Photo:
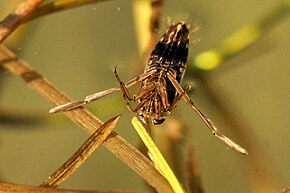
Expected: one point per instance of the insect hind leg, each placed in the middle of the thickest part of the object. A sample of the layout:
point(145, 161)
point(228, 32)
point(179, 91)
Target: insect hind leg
point(185, 91)
point(205, 119)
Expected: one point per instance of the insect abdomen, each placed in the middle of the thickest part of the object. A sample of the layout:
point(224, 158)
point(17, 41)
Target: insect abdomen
point(172, 50)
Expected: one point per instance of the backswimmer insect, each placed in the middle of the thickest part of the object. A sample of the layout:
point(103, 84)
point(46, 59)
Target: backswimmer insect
point(160, 88)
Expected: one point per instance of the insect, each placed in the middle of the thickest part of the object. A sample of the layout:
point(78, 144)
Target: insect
point(160, 88)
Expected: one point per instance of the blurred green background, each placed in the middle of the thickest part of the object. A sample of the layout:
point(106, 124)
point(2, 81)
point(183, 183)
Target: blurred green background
point(77, 50)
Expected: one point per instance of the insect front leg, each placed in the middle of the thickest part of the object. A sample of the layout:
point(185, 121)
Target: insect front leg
point(124, 89)
point(135, 80)
point(205, 119)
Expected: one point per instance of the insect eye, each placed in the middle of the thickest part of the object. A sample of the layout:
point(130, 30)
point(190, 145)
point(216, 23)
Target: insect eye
point(141, 117)
point(158, 121)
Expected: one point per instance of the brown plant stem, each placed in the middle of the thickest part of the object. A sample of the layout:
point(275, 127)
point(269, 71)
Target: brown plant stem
point(59, 5)
point(156, 12)
point(82, 117)
point(16, 188)
point(82, 154)
point(14, 19)
point(192, 172)
point(155, 16)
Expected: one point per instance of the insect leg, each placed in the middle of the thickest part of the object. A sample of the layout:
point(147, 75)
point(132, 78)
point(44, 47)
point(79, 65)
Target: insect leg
point(163, 96)
point(130, 83)
point(174, 104)
point(67, 106)
point(76, 104)
point(124, 89)
point(205, 119)
point(126, 94)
